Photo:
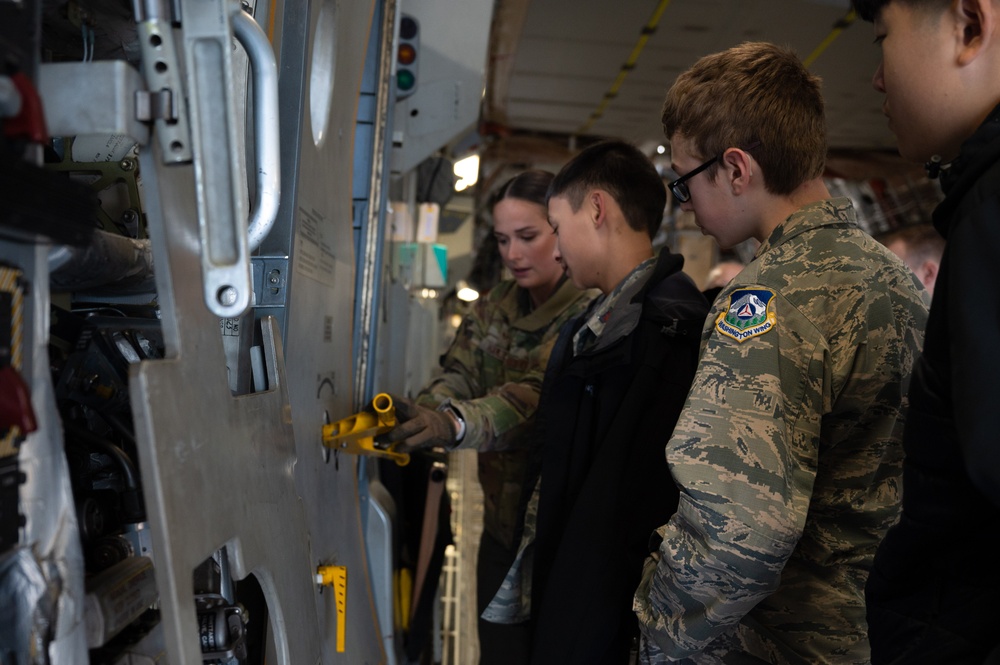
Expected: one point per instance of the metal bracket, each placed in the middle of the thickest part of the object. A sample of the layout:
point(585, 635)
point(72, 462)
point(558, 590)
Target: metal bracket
point(159, 105)
point(222, 207)
point(270, 279)
point(161, 69)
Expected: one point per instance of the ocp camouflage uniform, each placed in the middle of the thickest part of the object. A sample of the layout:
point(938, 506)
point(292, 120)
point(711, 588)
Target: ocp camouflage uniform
point(787, 454)
point(493, 374)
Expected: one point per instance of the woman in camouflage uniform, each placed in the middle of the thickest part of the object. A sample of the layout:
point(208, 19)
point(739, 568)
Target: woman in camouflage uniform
point(489, 389)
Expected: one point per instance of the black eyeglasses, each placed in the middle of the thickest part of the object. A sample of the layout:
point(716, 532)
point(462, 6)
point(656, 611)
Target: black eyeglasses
point(679, 187)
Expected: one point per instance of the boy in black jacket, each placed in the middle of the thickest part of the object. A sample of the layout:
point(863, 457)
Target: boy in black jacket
point(615, 385)
point(932, 594)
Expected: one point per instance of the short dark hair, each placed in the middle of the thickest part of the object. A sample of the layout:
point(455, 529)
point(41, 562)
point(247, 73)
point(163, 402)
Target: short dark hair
point(755, 94)
point(869, 10)
point(624, 172)
point(531, 186)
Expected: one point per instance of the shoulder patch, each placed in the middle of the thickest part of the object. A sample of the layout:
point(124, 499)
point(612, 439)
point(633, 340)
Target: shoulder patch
point(749, 314)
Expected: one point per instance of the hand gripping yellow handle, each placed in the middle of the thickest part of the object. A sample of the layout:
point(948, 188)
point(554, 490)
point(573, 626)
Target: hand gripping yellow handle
point(356, 434)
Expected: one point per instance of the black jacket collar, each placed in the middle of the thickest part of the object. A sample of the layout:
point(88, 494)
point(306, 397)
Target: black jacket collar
point(978, 153)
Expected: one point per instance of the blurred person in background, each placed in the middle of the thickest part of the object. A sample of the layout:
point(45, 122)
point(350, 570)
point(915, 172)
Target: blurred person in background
point(721, 274)
point(920, 247)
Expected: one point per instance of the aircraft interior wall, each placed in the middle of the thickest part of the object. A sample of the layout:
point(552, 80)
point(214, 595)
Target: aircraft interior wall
point(224, 229)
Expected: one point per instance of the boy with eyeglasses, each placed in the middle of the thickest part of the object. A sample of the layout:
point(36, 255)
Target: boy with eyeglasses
point(787, 454)
point(932, 593)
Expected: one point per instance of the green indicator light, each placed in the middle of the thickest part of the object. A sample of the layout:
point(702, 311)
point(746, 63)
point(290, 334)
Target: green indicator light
point(405, 79)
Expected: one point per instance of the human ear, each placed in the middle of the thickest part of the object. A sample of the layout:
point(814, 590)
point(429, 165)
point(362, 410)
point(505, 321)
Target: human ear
point(928, 273)
point(976, 22)
point(598, 206)
point(737, 167)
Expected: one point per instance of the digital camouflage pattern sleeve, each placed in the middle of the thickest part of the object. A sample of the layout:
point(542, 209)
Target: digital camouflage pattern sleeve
point(493, 371)
point(787, 453)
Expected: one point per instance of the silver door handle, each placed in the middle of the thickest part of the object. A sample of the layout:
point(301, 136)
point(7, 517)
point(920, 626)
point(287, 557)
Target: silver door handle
point(266, 129)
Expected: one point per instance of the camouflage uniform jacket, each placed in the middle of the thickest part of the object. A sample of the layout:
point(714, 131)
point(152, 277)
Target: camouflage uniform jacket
point(787, 453)
point(493, 374)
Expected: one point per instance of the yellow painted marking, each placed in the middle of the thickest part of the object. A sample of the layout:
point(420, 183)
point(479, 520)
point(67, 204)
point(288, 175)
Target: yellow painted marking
point(838, 28)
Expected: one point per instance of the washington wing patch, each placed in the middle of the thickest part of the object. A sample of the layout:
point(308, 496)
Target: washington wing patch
point(749, 314)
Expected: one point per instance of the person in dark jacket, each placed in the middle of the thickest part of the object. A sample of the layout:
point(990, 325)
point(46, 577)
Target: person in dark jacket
point(932, 594)
point(615, 384)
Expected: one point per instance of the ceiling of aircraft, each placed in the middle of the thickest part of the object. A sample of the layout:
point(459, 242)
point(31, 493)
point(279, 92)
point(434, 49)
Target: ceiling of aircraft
point(565, 68)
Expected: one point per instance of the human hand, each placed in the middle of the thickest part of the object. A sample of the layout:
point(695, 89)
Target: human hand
point(419, 427)
point(641, 600)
